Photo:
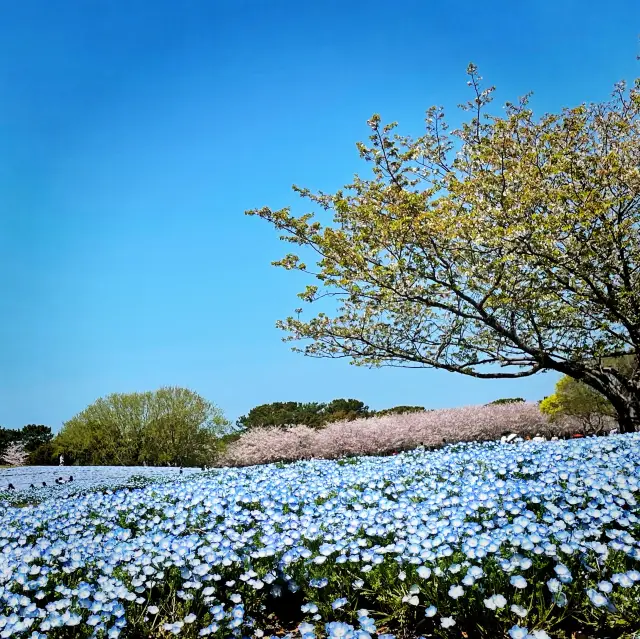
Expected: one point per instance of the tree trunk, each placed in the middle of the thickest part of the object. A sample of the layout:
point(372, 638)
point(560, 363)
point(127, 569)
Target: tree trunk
point(623, 392)
point(628, 414)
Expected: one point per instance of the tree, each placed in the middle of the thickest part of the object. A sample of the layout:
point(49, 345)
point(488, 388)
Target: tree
point(282, 414)
point(507, 400)
point(400, 410)
point(345, 410)
point(15, 454)
point(174, 425)
point(312, 414)
point(575, 399)
point(45, 455)
point(34, 436)
point(7, 437)
point(504, 248)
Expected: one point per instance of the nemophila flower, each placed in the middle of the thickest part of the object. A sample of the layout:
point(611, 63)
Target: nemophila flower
point(564, 574)
point(605, 586)
point(307, 630)
point(623, 580)
point(430, 611)
point(475, 571)
point(447, 622)
point(554, 585)
point(518, 632)
point(424, 572)
point(495, 602)
point(559, 599)
point(456, 591)
point(309, 607)
point(519, 610)
point(339, 603)
point(597, 598)
point(518, 581)
point(339, 630)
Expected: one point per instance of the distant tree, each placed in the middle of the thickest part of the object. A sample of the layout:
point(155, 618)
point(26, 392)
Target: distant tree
point(34, 436)
point(283, 414)
point(400, 410)
point(174, 425)
point(15, 454)
point(345, 410)
point(312, 414)
point(44, 455)
point(505, 247)
point(506, 400)
point(7, 437)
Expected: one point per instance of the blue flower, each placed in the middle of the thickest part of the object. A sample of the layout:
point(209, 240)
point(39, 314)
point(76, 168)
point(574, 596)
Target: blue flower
point(338, 603)
point(597, 598)
point(518, 632)
point(518, 581)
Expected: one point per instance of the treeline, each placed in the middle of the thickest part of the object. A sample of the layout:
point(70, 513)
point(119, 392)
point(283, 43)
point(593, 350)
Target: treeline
point(30, 444)
point(313, 414)
point(177, 426)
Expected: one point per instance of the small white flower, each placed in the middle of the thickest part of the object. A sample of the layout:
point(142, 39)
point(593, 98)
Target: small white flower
point(456, 591)
point(519, 610)
point(447, 622)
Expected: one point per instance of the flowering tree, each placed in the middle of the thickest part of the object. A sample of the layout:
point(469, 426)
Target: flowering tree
point(15, 455)
point(504, 248)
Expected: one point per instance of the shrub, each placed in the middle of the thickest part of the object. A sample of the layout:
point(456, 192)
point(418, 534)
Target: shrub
point(506, 400)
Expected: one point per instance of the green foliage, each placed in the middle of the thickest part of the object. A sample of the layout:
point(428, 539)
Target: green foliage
point(507, 400)
point(573, 398)
point(173, 425)
point(44, 455)
point(504, 247)
point(400, 410)
point(312, 414)
point(33, 436)
point(8, 436)
point(345, 410)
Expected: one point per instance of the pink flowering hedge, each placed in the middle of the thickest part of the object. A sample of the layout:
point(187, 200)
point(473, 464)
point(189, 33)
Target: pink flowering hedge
point(383, 435)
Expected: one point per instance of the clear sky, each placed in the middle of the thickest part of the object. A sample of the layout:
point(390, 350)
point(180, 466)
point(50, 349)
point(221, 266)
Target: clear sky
point(134, 135)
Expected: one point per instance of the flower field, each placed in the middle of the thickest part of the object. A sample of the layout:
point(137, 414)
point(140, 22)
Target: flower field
point(531, 540)
point(85, 479)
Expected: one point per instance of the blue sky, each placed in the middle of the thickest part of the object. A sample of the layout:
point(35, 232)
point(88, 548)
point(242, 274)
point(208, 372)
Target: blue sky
point(133, 136)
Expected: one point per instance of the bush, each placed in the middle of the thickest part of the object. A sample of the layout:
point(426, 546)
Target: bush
point(506, 400)
point(390, 433)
